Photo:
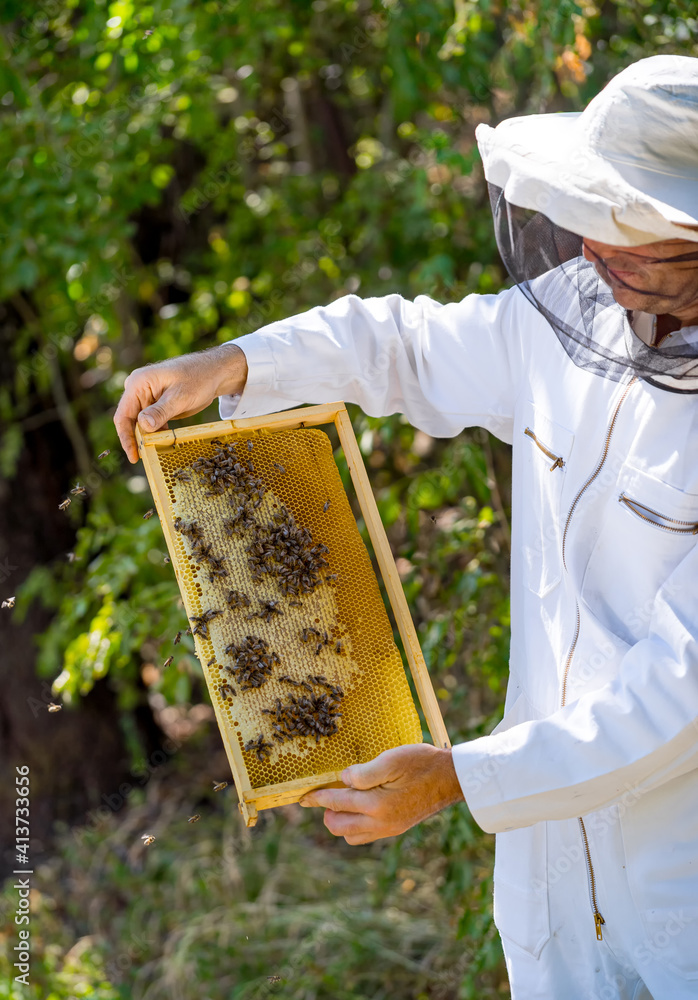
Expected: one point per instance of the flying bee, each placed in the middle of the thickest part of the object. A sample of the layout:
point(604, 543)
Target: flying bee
point(53, 707)
point(71, 557)
point(218, 786)
point(274, 979)
point(77, 490)
point(65, 504)
point(147, 839)
point(178, 638)
point(166, 560)
point(103, 454)
point(195, 818)
point(9, 603)
point(168, 661)
point(148, 514)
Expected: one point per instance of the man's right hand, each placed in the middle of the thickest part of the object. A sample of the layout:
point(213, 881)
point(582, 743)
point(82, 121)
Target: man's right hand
point(178, 387)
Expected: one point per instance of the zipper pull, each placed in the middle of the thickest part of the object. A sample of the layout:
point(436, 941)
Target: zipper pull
point(598, 920)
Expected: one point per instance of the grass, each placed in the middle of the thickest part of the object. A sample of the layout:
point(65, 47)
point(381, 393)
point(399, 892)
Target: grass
point(212, 910)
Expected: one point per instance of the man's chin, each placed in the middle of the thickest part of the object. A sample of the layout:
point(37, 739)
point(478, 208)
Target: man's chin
point(634, 301)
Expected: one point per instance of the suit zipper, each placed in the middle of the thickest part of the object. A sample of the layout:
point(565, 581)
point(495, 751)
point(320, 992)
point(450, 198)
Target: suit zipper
point(598, 919)
point(558, 460)
point(664, 521)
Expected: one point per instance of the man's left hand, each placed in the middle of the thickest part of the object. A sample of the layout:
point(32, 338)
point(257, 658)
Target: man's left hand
point(389, 794)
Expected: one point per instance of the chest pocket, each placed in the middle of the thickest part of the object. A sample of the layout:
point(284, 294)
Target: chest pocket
point(648, 528)
point(546, 448)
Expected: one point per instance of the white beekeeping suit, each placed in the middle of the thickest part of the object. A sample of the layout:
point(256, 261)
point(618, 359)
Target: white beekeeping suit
point(590, 781)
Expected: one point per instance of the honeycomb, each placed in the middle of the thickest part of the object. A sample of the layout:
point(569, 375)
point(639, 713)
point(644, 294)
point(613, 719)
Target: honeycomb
point(349, 639)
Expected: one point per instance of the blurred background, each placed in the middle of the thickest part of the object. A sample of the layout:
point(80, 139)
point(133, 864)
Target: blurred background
point(176, 174)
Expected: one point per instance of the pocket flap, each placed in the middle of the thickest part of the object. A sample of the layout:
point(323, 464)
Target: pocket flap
point(522, 916)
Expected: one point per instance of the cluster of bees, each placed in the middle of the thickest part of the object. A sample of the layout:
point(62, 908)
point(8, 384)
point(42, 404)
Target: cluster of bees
point(281, 551)
point(322, 641)
point(285, 551)
point(200, 549)
point(253, 662)
point(312, 714)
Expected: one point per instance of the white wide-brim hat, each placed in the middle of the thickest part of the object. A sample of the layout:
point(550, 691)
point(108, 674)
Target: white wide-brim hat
point(624, 171)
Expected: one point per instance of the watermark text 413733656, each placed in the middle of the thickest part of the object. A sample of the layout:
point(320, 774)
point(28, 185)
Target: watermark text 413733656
point(22, 948)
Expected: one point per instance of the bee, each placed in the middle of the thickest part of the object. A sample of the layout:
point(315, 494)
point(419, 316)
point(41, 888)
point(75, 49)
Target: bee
point(147, 839)
point(147, 33)
point(295, 604)
point(168, 661)
point(53, 707)
point(325, 506)
point(224, 689)
point(65, 504)
point(260, 746)
point(218, 786)
point(279, 468)
point(77, 490)
point(103, 454)
point(195, 818)
point(166, 560)
point(339, 648)
point(181, 476)
point(148, 514)
point(331, 576)
point(250, 446)
point(9, 603)
point(211, 661)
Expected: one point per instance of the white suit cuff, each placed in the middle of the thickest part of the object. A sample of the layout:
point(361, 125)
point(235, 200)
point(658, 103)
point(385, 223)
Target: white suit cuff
point(260, 378)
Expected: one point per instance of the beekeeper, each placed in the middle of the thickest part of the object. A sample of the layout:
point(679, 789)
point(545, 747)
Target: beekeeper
point(589, 368)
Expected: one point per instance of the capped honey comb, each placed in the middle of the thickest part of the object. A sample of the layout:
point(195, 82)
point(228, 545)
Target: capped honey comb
point(268, 635)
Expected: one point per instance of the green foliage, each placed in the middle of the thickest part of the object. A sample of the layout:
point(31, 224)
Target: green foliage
point(179, 174)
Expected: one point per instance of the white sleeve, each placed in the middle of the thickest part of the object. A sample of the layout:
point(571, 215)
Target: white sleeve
point(445, 367)
point(636, 732)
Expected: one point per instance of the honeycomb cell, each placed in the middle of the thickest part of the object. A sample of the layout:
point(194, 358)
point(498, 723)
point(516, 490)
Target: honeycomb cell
point(328, 621)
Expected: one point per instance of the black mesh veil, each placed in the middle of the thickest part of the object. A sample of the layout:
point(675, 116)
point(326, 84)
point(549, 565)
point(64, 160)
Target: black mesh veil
point(546, 263)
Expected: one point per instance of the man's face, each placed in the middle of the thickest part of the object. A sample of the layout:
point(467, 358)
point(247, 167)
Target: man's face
point(641, 279)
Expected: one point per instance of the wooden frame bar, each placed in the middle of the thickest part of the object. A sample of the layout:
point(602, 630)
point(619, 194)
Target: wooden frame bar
point(254, 799)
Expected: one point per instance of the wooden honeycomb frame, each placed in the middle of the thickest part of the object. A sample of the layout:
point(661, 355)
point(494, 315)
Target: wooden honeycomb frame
point(153, 446)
